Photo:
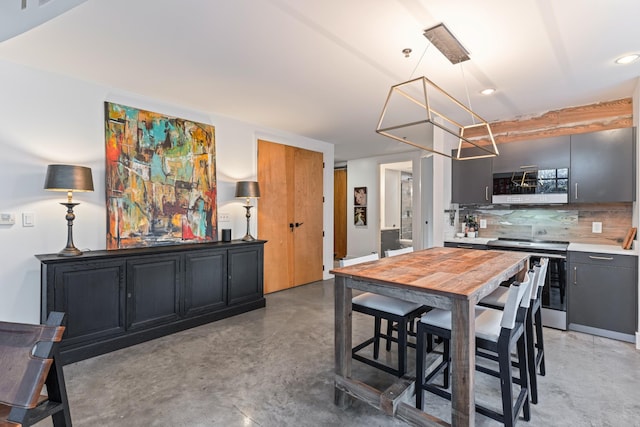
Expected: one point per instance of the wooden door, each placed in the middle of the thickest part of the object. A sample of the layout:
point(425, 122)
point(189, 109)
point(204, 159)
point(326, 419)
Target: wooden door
point(340, 213)
point(290, 214)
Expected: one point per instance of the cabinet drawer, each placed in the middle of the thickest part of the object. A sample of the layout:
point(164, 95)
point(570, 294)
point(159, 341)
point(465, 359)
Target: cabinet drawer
point(597, 258)
point(462, 245)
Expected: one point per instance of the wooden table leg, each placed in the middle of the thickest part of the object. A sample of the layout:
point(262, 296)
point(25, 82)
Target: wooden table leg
point(463, 351)
point(342, 337)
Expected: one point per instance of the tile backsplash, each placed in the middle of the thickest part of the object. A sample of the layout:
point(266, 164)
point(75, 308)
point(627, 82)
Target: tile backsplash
point(571, 222)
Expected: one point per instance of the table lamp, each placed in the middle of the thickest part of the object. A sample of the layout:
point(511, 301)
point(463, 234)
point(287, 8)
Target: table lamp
point(248, 189)
point(69, 178)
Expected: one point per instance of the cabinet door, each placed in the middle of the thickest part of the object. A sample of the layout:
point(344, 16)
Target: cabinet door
point(545, 153)
point(92, 296)
point(245, 274)
point(603, 297)
point(603, 166)
point(205, 286)
point(153, 291)
point(471, 181)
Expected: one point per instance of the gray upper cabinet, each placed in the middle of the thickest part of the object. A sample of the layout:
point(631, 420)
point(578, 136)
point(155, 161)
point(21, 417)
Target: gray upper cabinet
point(546, 153)
point(471, 181)
point(603, 166)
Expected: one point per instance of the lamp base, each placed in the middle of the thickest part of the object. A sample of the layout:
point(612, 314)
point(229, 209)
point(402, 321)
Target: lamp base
point(248, 237)
point(72, 251)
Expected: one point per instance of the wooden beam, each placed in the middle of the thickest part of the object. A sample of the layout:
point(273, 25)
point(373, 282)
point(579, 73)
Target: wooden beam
point(403, 390)
point(567, 121)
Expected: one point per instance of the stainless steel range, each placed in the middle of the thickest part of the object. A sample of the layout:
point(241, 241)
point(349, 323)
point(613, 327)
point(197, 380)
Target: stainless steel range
point(554, 298)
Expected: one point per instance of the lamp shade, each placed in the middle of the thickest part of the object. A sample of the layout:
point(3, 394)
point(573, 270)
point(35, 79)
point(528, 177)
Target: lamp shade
point(68, 178)
point(247, 189)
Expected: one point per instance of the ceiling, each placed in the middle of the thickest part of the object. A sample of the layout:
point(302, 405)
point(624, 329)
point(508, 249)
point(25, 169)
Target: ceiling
point(323, 68)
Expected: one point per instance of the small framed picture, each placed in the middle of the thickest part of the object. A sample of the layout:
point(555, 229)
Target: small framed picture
point(360, 216)
point(360, 196)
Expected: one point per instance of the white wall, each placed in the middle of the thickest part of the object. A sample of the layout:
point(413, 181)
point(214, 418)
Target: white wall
point(47, 118)
point(392, 198)
point(366, 173)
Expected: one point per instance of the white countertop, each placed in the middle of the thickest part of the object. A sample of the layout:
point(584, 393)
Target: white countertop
point(605, 249)
point(577, 247)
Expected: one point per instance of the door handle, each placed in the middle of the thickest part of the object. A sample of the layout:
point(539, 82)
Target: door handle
point(298, 224)
point(291, 226)
point(575, 275)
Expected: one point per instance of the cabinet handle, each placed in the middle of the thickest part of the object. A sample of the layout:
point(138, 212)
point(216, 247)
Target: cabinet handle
point(604, 258)
point(529, 167)
point(575, 275)
point(465, 246)
point(486, 193)
point(576, 197)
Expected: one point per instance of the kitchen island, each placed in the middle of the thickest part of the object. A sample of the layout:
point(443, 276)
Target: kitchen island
point(448, 278)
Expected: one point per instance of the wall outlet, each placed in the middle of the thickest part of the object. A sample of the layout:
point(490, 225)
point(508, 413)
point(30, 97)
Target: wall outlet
point(483, 223)
point(596, 227)
point(224, 217)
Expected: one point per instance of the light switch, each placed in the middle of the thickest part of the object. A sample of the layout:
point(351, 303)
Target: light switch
point(28, 219)
point(596, 227)
point(7, 218)
point(483, 223)
point(224, 217)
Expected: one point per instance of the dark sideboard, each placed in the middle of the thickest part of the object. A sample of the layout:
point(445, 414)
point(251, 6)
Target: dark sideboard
point(118, 298)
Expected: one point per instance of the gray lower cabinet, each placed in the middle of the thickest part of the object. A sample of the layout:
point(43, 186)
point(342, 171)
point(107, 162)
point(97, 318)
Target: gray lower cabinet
point(114, 299)
point(471, 181)
point(602, 294)
point(603, 166)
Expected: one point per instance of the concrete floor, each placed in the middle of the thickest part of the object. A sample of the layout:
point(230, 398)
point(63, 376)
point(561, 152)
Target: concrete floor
point(274, 367)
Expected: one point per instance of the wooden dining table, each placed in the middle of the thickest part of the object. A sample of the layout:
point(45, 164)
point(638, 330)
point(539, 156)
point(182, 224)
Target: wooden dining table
point(448, 278)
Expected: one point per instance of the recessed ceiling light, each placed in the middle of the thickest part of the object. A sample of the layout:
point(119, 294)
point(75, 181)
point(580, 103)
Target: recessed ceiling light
point(628, 59)
point(487, 91)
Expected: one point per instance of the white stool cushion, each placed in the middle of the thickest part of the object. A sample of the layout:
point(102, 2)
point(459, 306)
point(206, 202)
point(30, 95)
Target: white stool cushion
point(487, 322)
point(384, 303)
point(497, 298)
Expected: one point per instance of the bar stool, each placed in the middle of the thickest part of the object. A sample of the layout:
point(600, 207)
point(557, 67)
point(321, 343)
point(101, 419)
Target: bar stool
point(498, 331)
point(535, 348)
point(393, 310)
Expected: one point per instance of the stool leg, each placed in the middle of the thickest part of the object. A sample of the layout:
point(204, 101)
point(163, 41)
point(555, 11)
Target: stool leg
point(539, 342)
point(376, 331)
point(402, 347)
point(506, 380)
point(420, 355)
point(531, 358)
point(389, 333)
point(522, 362)
point(447, 357)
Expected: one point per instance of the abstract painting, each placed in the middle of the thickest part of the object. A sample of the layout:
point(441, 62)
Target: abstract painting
point(160, 179)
